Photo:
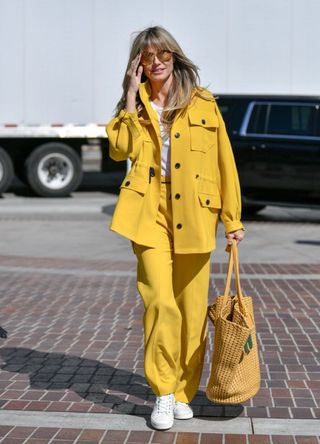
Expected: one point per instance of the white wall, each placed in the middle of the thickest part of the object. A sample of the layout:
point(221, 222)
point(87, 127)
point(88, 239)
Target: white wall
point(64, 60)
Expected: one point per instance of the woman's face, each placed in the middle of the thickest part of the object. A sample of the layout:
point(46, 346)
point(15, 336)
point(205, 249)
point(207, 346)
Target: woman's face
point(160, 64)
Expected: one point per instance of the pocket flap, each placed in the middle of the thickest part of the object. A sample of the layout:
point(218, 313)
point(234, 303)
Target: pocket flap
point(203, 118)
point(210, 200)
point(135, 183)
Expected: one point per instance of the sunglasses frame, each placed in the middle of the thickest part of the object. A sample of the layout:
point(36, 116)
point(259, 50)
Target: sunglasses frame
point(152, 57)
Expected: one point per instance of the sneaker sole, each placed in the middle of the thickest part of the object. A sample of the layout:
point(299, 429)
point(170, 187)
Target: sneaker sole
point(159, 427)
point(183, 417)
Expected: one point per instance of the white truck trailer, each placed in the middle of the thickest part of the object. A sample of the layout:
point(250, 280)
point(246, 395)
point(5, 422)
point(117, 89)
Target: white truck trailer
point(62, 64)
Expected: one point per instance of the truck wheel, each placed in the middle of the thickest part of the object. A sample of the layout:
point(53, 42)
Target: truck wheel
point(6, 171)
point(53, 170)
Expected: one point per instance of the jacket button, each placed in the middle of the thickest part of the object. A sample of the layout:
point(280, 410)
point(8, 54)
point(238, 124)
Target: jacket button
point(177, 165)
point(197, 175)
point(203, 121)
point(179, 226)
point(207, 201)
point(177, 135)
point(177, 196)
point(127, 183)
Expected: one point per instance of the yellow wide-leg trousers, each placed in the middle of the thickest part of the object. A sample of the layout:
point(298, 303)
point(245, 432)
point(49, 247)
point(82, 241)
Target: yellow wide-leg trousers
point(174, 290)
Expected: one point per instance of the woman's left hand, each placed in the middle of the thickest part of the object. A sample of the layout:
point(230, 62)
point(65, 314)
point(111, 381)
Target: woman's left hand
point(238, 235)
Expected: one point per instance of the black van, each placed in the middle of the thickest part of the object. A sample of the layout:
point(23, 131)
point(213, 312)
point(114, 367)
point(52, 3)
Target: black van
point(276, 144)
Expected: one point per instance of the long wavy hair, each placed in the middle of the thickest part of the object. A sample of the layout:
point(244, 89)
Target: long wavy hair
point(185, 74)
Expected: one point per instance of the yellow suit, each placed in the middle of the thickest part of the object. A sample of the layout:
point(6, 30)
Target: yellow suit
point(172, 227)
point(204, 179)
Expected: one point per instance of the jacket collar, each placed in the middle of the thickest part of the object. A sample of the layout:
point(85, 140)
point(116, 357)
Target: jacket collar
point(145, 93)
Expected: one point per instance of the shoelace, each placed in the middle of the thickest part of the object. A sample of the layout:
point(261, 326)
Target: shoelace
point(164, 404)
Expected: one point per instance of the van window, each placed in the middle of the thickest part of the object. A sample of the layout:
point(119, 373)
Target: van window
point(257, 120)
point(291, 120)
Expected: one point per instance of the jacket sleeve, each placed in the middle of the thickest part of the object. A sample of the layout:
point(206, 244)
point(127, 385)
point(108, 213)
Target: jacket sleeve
point(229, 181)
point(125, 136)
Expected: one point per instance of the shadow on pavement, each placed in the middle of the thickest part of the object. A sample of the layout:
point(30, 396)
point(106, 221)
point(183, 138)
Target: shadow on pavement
point(284, 215)
point(90, 379)
point(108, 209)
point(3, 333)
point(308, 242)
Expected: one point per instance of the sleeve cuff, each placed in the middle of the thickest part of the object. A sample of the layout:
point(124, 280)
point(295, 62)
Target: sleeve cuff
point(233, 226)
point(132, 121)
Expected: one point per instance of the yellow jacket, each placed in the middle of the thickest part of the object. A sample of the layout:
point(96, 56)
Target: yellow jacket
point(203, 173)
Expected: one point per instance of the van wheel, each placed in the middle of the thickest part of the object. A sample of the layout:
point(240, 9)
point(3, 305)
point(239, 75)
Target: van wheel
point(6, 171)
point(53, 170)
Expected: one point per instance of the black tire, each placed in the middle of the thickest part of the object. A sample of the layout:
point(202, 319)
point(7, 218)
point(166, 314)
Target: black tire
point(53, 170)
point(6, 171)
point(250, 210)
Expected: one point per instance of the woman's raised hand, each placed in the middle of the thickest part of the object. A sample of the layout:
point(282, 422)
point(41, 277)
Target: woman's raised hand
point(134, 73)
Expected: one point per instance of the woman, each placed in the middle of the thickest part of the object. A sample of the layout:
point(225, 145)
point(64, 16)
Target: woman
point(183, 176)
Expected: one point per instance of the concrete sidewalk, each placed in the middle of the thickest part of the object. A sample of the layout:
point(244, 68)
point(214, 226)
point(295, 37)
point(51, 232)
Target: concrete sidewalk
point(78, 227)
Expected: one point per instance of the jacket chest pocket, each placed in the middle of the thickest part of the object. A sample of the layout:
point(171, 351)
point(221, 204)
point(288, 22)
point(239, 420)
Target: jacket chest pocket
point(203, 128)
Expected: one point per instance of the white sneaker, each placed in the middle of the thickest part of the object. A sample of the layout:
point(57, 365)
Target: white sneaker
point(162, 415)
point(182, 410)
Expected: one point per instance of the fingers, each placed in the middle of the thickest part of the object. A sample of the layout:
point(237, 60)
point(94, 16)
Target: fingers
point(135, 62)
point(139, 72)
point(138, 57)
point(237, 235)
point(229, 244)
point(135, 73)
point(229, 239)
point(135, 70)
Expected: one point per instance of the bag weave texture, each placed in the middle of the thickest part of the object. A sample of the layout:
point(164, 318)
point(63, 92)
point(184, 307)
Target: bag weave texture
point(235, 370)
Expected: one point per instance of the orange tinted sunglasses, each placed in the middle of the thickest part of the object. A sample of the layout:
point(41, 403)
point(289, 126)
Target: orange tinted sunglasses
point(148, 57)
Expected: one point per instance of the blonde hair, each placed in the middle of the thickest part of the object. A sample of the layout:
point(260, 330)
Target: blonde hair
point(185, 73)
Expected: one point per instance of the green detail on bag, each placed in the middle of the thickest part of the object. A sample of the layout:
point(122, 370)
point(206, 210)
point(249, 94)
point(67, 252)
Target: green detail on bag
point(248, 345)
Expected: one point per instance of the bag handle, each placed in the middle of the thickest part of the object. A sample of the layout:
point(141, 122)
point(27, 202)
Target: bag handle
point(233, 265)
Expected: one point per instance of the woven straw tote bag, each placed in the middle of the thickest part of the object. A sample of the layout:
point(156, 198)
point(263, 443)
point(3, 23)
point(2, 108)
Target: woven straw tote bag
point(235, 370)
